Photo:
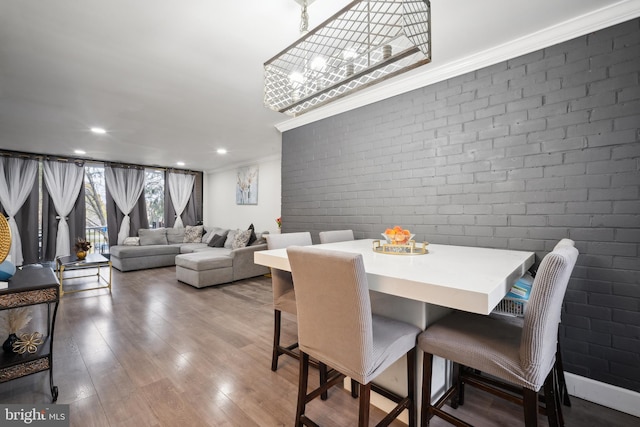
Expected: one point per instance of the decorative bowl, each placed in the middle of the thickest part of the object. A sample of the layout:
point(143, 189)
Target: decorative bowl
point(398, 238)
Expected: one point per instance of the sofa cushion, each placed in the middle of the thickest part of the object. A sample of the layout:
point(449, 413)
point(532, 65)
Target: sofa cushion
point(193, 234)
point(241, 239)
point(175, 235)
point(131, 241)
point(231, 235)
point(205, 260)
point(187, 248)
point(120, 251)
point(252, 237)
point(218, 240)
point(156, 236)
point(207, 236)
point(260, 239)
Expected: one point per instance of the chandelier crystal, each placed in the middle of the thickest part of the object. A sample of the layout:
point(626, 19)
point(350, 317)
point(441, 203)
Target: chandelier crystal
point(366, 42)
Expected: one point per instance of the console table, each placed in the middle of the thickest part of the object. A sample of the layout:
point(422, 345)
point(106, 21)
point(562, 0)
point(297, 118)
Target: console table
point(31, 286)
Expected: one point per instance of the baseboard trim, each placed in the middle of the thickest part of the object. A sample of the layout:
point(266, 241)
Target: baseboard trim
point(604, 394)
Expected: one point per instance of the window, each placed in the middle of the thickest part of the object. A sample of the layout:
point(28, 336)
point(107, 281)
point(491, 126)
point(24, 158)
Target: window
point(154, 197)
point(96, 208)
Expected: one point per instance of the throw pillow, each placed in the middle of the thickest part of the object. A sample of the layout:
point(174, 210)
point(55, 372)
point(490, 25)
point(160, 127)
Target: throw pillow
point(131, 241)
point(154, 236)
point(175, 235)
point(241, 239)
point(207, 236)
point(217, 241)
point(193, 234)
point(230, 236)
point(252, 237)
point(260, 240)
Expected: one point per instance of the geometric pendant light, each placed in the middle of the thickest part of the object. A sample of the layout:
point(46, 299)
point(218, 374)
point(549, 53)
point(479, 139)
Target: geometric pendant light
point(366, 42)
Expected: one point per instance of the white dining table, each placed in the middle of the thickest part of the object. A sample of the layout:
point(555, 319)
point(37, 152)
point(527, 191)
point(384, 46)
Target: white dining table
point(420, 289)
point(457, 277)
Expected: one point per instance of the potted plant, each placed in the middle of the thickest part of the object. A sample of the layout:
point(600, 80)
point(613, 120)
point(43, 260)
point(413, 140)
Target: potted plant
point(82, 246)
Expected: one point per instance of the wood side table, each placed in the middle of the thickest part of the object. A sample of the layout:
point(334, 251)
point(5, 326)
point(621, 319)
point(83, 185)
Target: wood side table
point(31, 286)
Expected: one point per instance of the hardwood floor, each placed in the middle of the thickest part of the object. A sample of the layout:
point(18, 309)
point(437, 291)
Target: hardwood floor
point(157, 352)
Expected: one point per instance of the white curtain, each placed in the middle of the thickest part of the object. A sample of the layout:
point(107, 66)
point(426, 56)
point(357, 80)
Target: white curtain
point(180, 188)
point(16, 181)
point(63, 181)
point(125, 186)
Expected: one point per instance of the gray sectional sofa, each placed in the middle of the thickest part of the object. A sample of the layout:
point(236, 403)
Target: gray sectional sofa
point(197, 263)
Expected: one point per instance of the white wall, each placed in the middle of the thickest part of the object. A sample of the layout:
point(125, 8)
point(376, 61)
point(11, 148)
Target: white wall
point(219, 198)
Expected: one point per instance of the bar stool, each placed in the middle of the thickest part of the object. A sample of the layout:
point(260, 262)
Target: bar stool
point(521, 358)
point(562, 391)
point(336, 236)
point(284, 297)
point(336, 327)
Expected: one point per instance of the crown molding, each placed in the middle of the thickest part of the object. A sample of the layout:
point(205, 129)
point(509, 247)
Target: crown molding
point(427, 75)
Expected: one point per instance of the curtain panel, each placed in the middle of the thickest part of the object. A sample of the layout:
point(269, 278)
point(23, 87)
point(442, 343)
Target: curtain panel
point(126, 206)
point(181, 192)
point(63, 181)
point(125, 187)
point(138, 218)
point(17, 177)
point(28, 223)
point(76, 222)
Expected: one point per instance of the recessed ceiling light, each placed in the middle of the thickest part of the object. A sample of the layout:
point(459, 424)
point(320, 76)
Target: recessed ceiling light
point(80, 152)
point(221, 151)
point(180, 163)
point(98, 130)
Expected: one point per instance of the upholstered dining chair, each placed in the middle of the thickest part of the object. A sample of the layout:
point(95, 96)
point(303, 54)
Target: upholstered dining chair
point(336, 236)
point(563, 392)
point(336, 327)
point(520, 358)
point(284, 297)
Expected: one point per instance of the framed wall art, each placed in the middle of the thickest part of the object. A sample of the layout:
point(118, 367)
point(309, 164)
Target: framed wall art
point(247, 186)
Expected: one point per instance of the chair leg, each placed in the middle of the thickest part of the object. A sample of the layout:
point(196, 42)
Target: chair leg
point(354, 388)
point(458, 397)
point(551, 400)
point(530, 403)
point(323, 379)
point(276, 339)
point(563, 392)
point(365, 397)
point(557, 395)
point(411, 386)
point(426, 413)
point(303, 378)
point(553, 382)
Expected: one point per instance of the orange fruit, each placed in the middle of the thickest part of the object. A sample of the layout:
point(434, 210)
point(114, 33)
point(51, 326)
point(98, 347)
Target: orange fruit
point(397, 228)
point(406, 232)
point(389, 231)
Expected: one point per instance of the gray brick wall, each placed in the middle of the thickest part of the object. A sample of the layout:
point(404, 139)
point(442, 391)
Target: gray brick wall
point(517, 155)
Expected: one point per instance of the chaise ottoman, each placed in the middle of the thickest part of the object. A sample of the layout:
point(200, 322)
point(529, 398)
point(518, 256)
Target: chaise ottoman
point(200, 269)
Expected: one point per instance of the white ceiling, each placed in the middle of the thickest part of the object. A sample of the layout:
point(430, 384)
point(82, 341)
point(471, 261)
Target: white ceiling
point(174, 81)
